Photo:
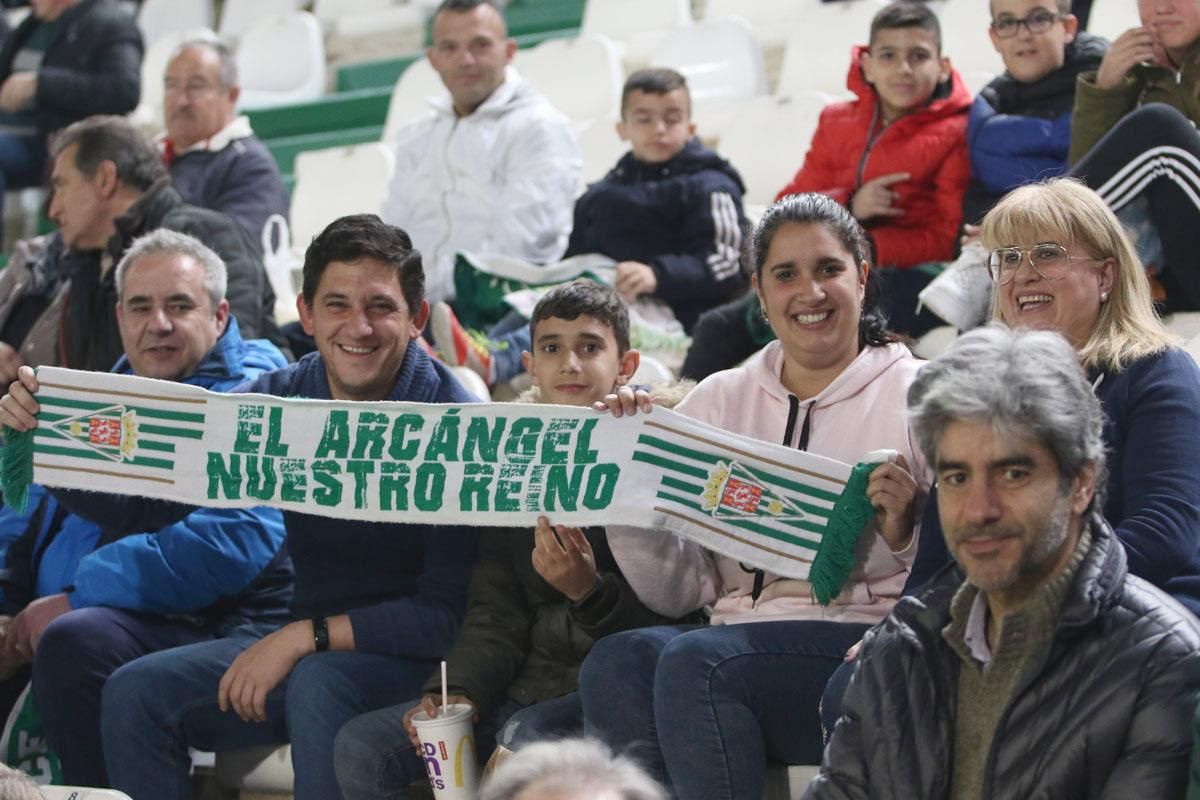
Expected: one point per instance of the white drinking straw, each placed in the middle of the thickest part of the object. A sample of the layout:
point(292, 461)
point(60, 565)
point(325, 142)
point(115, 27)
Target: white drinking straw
point(445, 697)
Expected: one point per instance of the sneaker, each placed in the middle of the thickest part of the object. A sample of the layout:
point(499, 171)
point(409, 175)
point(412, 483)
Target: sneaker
point(457, 346)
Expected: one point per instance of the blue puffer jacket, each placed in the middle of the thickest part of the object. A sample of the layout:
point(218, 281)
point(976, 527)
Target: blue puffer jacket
point(222, 566)
point(1018, 132)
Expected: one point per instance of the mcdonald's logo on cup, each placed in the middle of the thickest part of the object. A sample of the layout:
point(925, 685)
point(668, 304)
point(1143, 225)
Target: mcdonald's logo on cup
point(449, 752)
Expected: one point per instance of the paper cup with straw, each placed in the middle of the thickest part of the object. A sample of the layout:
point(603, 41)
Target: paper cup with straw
point(448, 748)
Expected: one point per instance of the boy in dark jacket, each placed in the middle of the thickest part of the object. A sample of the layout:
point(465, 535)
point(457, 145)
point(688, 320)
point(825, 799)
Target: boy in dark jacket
point(669, 213)
point(538, 599)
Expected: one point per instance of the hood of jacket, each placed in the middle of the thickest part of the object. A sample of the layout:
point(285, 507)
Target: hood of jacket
point(694, 157)
point(949, 98)
point(514, 92)
point(871, 362)
point(231, 361)
point(1054, 94)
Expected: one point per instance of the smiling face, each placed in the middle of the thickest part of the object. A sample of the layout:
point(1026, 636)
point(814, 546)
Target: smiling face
point(166, 317)
point(196, 105)
point(812, 293)
point(1009, 520)
point(1069, 305)
point(1028, 56)
point(362, 327)
point(657, 126)
point(576, 362)
point(904, 67)
point(470, 51)
point(1175, 24)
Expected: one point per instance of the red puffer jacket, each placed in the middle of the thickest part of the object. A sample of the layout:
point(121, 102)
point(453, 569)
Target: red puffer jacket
point(930, 145)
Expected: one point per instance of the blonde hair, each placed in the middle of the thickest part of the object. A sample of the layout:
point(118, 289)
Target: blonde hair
point(1127, 328)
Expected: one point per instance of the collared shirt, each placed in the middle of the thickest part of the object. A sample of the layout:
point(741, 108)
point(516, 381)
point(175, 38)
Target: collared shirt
point(975, 633)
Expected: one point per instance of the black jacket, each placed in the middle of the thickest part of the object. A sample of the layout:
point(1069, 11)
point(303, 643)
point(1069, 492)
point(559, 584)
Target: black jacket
point(92, 66)
point(522, 639)
point(90, 337)
point(1105, 714)
point(682, 217)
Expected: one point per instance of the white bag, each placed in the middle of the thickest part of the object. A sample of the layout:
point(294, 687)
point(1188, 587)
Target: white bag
point(281, 263)
point(962, 294)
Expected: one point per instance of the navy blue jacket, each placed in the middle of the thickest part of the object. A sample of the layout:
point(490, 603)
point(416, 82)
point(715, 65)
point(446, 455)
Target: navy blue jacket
point(223, 567)
point(1019, 133)
point(1152, 437)
point(241, 180)
point(404, 586)
point(682, 217)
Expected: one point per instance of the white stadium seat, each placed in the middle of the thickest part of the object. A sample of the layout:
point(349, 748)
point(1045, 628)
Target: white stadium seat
point(238, 16)
point(338, 181)
point(581, 77)
point(767, 140)
point(965, 36)
point(817, 56)
point(723, 64)
point(418, 84)
point(637, 26)
point(600, 147)
point(80, 793)
point(1111, 18)
point(281, 60)
point(157, 18)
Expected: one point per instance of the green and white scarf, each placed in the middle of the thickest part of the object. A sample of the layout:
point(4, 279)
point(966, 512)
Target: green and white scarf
point(786, 511)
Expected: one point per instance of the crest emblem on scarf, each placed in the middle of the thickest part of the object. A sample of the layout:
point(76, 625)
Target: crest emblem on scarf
point(732, 490)
point(111, 431)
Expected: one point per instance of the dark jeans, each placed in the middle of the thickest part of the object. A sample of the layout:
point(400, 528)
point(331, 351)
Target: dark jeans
point(375, 760)
point(22, 161)
point(75, 657)
point(1154, 151)
point(157, 707)
point(706, 708)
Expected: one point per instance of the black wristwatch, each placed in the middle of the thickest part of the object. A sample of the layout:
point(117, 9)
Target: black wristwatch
point(320, 633)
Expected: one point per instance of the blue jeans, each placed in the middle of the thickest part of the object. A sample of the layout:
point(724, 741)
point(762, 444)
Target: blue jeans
point(75, 657)
point(831, 698)
point(375, 760)
point(511, 334)
point(22, 160)
point(705, 708)
point(157, 707)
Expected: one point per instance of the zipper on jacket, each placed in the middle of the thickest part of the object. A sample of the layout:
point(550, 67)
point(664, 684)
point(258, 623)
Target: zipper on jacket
point(793, 412)
point(872, 138)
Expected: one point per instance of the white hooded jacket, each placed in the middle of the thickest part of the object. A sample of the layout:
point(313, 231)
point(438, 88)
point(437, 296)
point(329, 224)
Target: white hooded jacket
point(500, 181)
point(864, 409)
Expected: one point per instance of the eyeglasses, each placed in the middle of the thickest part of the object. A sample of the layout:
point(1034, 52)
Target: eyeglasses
point(1048, 259)
point(1038, 21)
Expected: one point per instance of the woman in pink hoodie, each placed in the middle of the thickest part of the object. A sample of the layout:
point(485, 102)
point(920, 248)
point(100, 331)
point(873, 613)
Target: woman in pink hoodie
point(708, 706)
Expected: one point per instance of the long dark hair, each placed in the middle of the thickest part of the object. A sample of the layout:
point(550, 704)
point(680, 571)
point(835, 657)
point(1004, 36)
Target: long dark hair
point(819, 209)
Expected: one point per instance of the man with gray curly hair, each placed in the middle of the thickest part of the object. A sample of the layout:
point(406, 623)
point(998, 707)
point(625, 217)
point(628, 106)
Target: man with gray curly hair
point(1038, 667)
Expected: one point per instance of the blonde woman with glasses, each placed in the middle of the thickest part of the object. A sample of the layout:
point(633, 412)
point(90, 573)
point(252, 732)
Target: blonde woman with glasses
point(1061, 261)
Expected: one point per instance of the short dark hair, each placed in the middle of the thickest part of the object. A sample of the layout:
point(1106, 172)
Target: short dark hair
point(111, 138)
point(351, 238)
point(654, 80)
point(907, 14)
point(467, 6)
point(583, 296)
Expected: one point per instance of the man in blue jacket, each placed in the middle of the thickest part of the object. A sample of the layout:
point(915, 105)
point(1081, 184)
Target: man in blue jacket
point(376, 604)
point(106, 594)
